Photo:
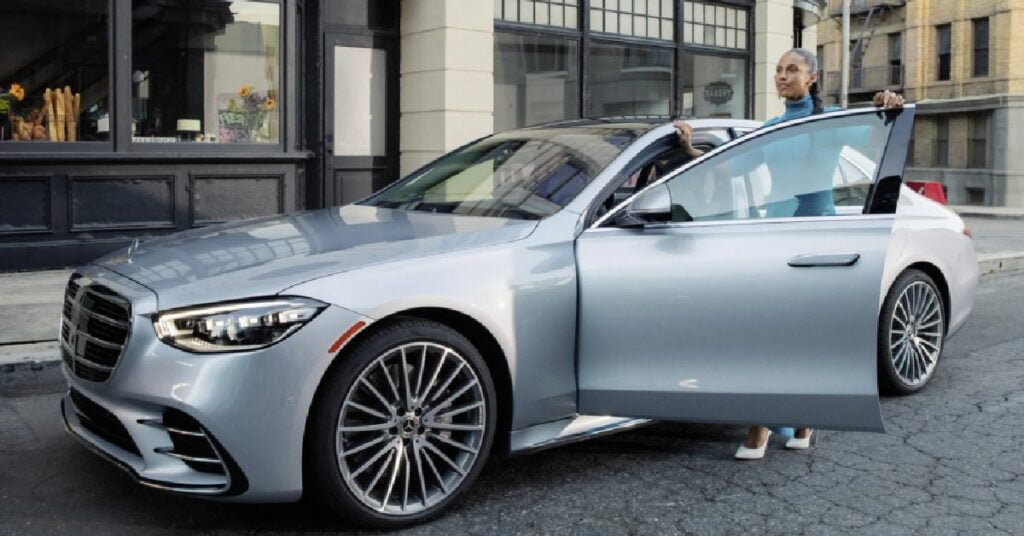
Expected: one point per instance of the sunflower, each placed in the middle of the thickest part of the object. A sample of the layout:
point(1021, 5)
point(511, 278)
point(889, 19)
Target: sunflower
point(268, 104)
point(245, 91)
point(17, 91)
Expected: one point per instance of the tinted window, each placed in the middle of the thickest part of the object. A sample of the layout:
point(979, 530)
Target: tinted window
point(805, 170)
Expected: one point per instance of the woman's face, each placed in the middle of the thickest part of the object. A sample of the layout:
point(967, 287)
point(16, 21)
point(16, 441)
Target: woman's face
point(792, 78)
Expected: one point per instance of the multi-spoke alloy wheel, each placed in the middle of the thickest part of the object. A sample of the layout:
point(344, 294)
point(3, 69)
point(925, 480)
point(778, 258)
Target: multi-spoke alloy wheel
point(410, 428)
point(911, 333)
point(411, 425)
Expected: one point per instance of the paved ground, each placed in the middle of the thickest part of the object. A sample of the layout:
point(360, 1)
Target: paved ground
point(31, 304)
point(950, 463)
point(996, 235)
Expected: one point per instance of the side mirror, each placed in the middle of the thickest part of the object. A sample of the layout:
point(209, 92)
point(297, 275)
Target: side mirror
point(654, 205)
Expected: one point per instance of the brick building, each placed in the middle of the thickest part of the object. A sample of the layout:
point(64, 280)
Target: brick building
point(962, 61)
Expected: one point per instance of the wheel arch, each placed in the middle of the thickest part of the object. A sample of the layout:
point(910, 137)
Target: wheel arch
point(470, 328)
point(939, 278)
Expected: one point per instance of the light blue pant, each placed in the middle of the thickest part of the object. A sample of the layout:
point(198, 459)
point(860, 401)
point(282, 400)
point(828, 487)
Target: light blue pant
point(786, 432)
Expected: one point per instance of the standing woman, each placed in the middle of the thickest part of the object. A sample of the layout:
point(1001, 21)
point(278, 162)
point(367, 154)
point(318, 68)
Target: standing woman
point(796, 77)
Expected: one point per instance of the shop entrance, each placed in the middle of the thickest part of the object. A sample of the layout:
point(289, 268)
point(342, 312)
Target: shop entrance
point(360, 143)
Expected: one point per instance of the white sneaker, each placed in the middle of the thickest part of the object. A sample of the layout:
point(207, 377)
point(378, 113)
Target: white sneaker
point(744, 453)
point(800, 443)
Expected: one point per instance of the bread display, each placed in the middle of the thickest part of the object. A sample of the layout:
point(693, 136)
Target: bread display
point(55, 120)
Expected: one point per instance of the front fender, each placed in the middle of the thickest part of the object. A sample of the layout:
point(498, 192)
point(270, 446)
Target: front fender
point(523, 293)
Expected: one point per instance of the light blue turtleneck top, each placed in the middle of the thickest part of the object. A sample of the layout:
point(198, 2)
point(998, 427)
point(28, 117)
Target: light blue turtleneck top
point(797, 109)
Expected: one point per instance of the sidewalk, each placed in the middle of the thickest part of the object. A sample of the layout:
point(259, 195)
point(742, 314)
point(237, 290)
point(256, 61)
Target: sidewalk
point(30, 302)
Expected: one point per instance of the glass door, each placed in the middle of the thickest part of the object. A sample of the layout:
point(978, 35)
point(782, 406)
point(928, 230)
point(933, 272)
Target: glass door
point(360, 116)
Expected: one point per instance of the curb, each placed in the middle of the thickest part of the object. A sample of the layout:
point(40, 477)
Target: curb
point(992, 213)
point(989, 215)
point(29, 365)
point(39, 363)
point(991, 263)
point(986, 215)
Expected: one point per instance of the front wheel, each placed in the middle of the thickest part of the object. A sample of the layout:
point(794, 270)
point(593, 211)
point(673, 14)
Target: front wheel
point(404, 425)
point(911, 331)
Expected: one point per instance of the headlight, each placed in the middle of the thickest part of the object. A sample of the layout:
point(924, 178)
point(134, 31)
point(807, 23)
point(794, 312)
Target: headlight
point(234, 327)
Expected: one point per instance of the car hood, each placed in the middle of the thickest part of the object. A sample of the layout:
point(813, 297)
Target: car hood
point(264, 256)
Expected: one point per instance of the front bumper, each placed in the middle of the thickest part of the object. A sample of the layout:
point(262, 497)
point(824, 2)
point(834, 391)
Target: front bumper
point(251, 407)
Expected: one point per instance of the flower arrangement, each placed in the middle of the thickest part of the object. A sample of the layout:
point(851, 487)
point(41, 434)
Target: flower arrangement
point(245, 120)
point(15, 92)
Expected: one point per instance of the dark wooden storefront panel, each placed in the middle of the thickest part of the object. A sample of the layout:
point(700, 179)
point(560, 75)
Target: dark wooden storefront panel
point(25, 205)
point(223, 198)
point(121, 202)
point(66, 214)
point(356, 184)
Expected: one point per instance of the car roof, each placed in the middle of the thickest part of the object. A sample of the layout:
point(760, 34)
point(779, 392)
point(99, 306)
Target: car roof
point(647, 122)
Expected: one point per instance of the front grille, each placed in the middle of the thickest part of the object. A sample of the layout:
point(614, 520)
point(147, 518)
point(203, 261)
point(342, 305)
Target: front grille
point(96, 419)
point(94, 328)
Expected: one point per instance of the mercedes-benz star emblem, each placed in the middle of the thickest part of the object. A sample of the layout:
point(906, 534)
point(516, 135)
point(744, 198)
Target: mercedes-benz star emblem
point(132, 249)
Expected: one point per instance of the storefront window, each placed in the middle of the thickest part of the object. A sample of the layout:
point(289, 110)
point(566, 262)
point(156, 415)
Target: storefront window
point(630, 53)
point(713, 86)
point(535, 80)
point(559, 13)
point(714, 25)
point(206, 71)
point(640, 18)
point(54, 71)
point(629, 80)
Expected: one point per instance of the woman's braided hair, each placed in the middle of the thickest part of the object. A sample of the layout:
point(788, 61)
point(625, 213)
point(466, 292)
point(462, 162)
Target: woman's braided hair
point(812, 66)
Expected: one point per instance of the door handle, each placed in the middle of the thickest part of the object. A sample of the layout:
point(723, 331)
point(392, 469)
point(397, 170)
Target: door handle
point(824, 259)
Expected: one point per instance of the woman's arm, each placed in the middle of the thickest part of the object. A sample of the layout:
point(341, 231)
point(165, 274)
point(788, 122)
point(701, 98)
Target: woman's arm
point(685, 134)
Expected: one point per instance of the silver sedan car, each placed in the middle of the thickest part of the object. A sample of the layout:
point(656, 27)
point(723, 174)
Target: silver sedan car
point(529, 289)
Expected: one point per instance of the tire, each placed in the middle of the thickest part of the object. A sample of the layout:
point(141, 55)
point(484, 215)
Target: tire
point(911, 334)
point(408, 447)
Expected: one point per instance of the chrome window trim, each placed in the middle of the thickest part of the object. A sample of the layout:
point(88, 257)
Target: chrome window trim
point(753, 221)
point(763, 131)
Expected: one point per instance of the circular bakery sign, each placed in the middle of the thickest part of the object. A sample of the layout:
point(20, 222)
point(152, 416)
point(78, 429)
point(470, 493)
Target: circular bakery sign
point(718, 92)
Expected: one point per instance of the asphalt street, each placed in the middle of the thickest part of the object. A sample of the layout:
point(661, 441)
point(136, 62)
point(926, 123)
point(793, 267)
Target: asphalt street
point(950, 463)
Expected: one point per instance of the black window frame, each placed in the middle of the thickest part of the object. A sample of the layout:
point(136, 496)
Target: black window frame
point(125, 120)
point(119, 144)
point(944, 59)
point(977, 145)
point(980, 47)
point(585, 37)
point(940, 145)
point(895, 60)
point(820, 53)
point(79, 146)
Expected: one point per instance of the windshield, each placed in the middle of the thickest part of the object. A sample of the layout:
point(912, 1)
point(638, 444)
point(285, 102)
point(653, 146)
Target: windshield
point(524, 174)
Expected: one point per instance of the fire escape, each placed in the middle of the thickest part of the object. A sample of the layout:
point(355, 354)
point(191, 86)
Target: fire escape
point(866, 80)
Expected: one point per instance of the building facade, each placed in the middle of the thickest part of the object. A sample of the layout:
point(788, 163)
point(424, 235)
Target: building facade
point(962, 62)
point(125, 119)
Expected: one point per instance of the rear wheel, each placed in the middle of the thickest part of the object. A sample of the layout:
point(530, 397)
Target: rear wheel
point(912, 331)
point(404, 426)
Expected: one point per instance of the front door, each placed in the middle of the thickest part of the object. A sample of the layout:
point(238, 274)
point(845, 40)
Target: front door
point(361, 115)
point(758, 303)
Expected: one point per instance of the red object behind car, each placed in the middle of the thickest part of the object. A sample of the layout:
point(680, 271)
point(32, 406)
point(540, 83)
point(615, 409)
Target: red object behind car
point(930, 189)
